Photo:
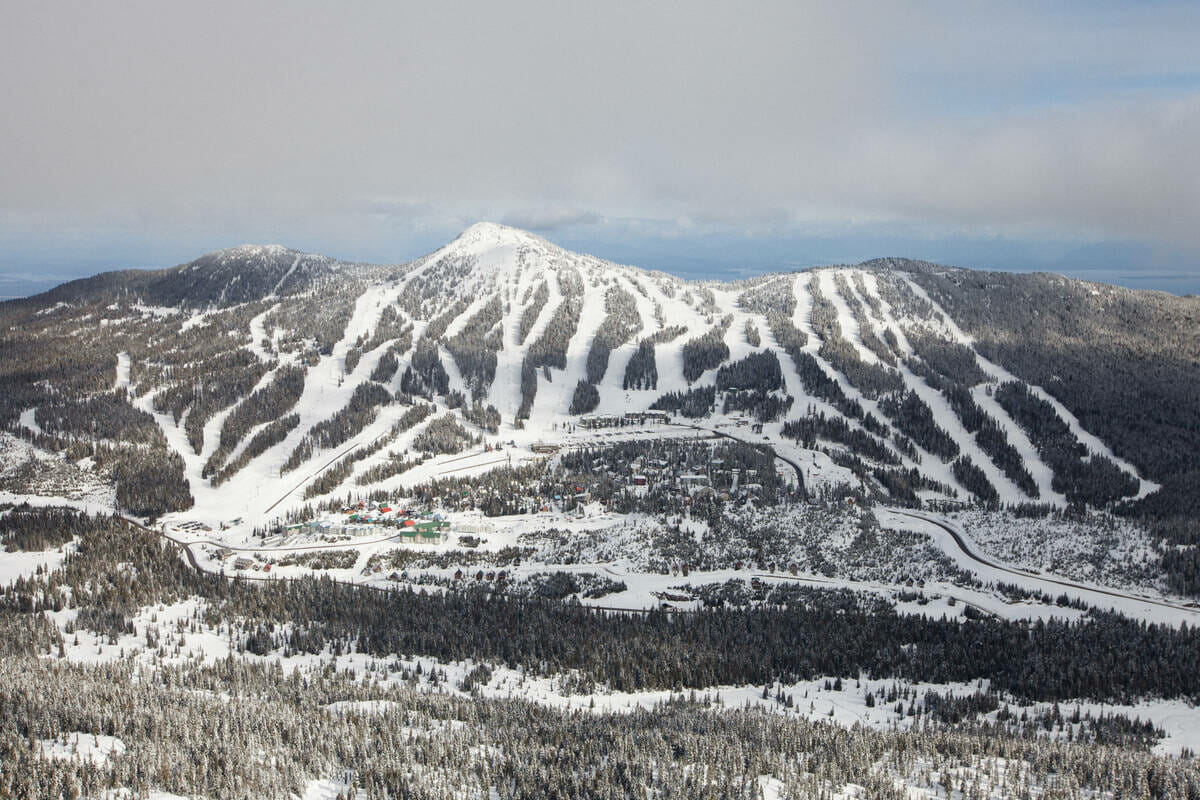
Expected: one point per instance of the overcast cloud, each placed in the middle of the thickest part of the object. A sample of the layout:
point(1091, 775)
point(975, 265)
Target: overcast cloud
point(376, 129)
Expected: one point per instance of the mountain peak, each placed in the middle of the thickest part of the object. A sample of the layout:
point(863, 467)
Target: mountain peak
point(256, 250)
point(247, 253)
point(486, 235)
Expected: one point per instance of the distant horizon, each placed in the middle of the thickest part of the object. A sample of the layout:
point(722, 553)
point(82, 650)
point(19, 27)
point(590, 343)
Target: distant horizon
point(720, 256)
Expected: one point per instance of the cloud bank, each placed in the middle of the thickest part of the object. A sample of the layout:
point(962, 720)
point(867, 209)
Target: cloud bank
point(360, 127)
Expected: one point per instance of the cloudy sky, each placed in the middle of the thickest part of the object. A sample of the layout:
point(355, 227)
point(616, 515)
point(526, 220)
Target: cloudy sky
point(702, 138)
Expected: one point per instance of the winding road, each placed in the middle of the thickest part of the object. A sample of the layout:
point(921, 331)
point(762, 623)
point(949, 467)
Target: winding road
point(965, 549)
point(971, 554)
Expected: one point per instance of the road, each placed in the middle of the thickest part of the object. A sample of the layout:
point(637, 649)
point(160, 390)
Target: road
point(966, 550)
point(186, 546)
point(971, 554)
point(191, 557)
point(774, 577)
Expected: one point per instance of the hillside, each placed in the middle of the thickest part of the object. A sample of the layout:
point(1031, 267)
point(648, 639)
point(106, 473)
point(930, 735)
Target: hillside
point(929, 383)
point(219, 279)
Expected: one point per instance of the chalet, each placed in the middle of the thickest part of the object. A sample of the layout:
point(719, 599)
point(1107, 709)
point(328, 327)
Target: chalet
point(642, 417)
point(600, 421)
point(222, 553)
point(639, 480)
point(544, 448)
point(242, 563)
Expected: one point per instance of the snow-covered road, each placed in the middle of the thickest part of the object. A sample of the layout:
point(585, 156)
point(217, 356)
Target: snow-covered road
point(956, 543)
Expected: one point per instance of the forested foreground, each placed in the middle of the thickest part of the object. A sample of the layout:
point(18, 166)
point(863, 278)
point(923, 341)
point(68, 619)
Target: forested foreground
point(235, 730)
point(113, 570)
point(240, 730)
point(187, 728)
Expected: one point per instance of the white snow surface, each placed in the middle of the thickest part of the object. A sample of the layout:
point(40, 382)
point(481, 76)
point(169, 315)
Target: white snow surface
point(77, 746)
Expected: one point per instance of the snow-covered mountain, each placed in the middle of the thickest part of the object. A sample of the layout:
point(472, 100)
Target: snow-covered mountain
point(222, 278)
point(249, 369)
point(386, 497)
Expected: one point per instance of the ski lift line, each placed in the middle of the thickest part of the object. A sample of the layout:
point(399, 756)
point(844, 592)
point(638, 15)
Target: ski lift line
point(329, 464)
point(463, 458)
point(474, 466)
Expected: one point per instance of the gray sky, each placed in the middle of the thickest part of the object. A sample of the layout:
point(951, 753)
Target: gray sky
point(771, 134)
